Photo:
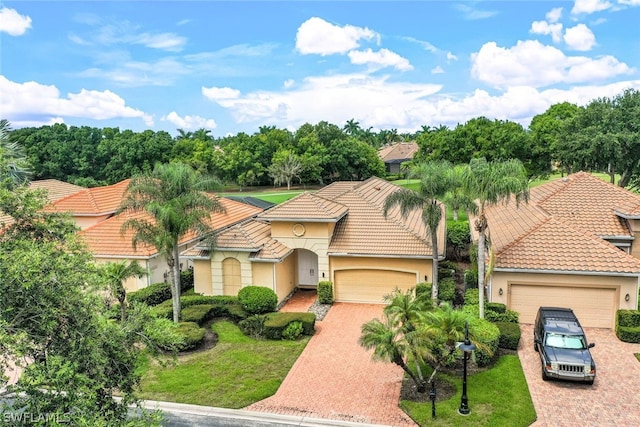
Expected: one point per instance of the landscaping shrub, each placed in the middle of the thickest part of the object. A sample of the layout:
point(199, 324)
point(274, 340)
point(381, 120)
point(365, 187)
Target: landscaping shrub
point(163, 311)
point(192, 336)
point(276, 323)
point(472, 297)
point(423, 291)
point(470, 279)
point(235, 311)
point(509, 335)
point(189, 300)
point(257, 299)
point(496, 307)
point(508, 316)
point(152, 295)
point(198, 313)
point(186, 280)
point(253, 326)
point(488, 334)
point(221, 305)
point(292, 331)
point(446, 290)
point(628, 325)
point(446, 269)
point(458, 237)
point(325, 292)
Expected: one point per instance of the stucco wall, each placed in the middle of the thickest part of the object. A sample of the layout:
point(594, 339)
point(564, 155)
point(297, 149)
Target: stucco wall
point(133, 283)
point(422, 267)
point(87, 221)
point(202, 283)
point(246, 272)
point(285, 277)
point(262, 274)
point(315, 239)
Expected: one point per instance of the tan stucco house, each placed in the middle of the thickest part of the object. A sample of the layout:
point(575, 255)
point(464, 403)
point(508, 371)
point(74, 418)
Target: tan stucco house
point(575, 244)
point(338, 233)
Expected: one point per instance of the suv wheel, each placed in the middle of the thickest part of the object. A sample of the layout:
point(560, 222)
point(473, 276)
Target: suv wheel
point(589, 382)
point(545, 377)
point(535, 346)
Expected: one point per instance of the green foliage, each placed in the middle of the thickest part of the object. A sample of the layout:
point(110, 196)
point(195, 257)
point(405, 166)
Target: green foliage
point(496, 307)
point(236, 311)
point(628, 325)
point(488, 335)
point(458, 236)
point(292, 331)
point(186, 280)
point(276, 323)
point(198, 313)
point(152, 295)
point(192, 335)
point(423, 291)
point(257, 299)
point(508, 316)
point(471, 297)
point(509, 335)
point(447, 290)
point(253, 325)
point(325, 292)
point(471, 279)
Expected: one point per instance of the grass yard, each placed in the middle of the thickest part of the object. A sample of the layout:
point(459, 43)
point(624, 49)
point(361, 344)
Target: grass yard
point(236, 372)
point(497, 397)
point(269, 196)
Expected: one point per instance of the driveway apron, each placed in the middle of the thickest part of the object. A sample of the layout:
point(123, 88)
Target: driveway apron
point(335, 378)
point(614, 398)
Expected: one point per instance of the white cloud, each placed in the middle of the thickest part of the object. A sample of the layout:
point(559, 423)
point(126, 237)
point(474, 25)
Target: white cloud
point(451, 57)
point(579, 38)
point(472, 14)
point(380, 59)
point(288, 83)
point(32, 101)
point(630, 2)
point(425, 45)
point(437, 70)
point(220, 93)
point(165, 41)
point(317, 36)
point(543, 27)
point(590, 6)
point(12, 23)
point(530, 63)
point(554, 15)
point(189, 122)
point(162, 72)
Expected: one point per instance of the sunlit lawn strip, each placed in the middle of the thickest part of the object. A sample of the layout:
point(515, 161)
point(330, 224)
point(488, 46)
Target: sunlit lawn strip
point(236, 372)
point(498, 396)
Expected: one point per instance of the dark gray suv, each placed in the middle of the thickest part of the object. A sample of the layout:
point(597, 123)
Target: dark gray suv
point(563, 346)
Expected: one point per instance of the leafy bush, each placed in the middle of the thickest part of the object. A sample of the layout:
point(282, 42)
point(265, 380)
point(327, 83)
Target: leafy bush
point(325, 292)
point(221, 305)
point(257, 299)
point(235, 311)
point(458, 236)
point(198, 313)
point(447, 290)
point(192, 336)
point(188, 300)
point(508, 316)
point(151, 295)
point(446, 269)
point(470, 279)
point(509, 335)
point(276, 323)
point(423, 291)
point(292, 331)
point(472, 297)
point(628, 317)
point(488, 334)
point(186, 280)
point(253, 326)
point(628, 325)
point(496, 307)
point(628, 333)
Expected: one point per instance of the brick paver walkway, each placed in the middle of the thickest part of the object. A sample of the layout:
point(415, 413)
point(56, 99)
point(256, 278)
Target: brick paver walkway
point(334, 378)
point(614, 398)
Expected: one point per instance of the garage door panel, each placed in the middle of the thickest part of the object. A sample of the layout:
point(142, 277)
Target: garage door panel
point(369, 285)
point(595, 307)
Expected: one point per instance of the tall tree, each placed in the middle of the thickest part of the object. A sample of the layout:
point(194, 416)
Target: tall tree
point(435, 181)
point(115, 274)
point(174, 199)
point(284, 167)
point(13, 163)
point(491, 183)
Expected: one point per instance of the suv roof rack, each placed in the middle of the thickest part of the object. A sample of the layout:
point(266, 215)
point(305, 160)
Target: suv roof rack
point(556, 313)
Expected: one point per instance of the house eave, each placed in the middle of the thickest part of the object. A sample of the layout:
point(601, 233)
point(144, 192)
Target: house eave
point(350, 254)
point(626, 216)
point(309, 219)
point(572, 272)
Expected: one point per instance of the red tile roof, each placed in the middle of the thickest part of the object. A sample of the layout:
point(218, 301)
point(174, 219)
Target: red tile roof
point(92, 201)
point(306, 207)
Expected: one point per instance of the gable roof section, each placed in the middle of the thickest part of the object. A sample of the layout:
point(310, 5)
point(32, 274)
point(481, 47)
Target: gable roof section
point(105, 239)
point(306, 207)
point(335, 189)
point(398, 152)
point(545, 235)
point(56, 189)
point(92, 201)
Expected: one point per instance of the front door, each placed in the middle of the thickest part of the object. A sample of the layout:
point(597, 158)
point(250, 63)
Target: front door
point(307, 268)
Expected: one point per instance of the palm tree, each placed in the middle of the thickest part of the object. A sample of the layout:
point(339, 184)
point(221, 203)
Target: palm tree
point(173, 198)
point(115, 274)
point(456, 199)
point(352, 127)
point(13, 163)
point(435, 181)
point(492, 183)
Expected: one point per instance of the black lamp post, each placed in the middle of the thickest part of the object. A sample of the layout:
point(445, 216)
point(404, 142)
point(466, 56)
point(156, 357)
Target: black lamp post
point(467, 347)
point(432, 396)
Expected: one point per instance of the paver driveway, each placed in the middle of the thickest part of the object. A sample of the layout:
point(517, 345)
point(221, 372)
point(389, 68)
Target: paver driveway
point(614, 398)
point(335, 378)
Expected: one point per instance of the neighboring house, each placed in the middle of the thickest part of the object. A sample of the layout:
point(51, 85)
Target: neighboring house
point(395, 154)
point(338, 233)
point(575, 244)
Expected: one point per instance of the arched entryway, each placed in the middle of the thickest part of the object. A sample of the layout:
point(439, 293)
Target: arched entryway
point(231, 276)
point(307, 268)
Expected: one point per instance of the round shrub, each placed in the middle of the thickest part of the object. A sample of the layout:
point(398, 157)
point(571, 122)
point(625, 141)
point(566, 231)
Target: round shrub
point(325, 292)
point(257, 299)
point(292, 331)
point(509, 335)
point(151, 295)
point(199, 313)
point(496, 307)
point(488, 335)
point(192, 336)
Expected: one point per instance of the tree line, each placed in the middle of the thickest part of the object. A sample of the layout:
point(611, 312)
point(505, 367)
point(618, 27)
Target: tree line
point(602, 136)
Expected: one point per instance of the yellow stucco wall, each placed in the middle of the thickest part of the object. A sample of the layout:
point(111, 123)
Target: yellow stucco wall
point(133, 283)
point(202, 283)
point(87, 221)
point(262, 274)
point(311, 229)
point(422, 267)
point(285, 277)
point(246, 272)
point(623, 285)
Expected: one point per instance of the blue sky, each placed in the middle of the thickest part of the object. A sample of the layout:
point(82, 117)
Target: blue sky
point(236, 66)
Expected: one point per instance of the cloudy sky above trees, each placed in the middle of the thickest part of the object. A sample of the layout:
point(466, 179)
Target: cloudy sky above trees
point(236, 66)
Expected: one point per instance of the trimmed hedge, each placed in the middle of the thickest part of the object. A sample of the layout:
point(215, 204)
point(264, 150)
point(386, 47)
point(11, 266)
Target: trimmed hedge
point(222, 305)
point(325, 292)
point(292, 331)
point(186, 280)
point(496, 307)
point(470, 279)
point(152, 295)
point(472, 297)
point(198, 313)
point(488, 334)
point(275, 323)
point(509, 316)
point(628, 325)
point(447, 290)
point(458, 236)
point(192, 336)
point(253, 326)
point(423, 291)
point(257, 299)
point(235, 311)
point(510, 334)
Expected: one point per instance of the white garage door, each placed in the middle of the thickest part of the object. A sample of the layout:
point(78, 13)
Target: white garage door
point(595, 307)
point(364, 285)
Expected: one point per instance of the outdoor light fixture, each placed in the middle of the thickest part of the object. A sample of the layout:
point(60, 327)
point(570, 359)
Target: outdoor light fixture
point(627, 297)
point(426, 279)
point(432, 396)
point(500, 292)
point(467, 347)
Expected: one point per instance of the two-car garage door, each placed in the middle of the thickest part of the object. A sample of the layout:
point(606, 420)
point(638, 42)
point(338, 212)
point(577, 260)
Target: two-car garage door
point(595, 307)
point(370, 285)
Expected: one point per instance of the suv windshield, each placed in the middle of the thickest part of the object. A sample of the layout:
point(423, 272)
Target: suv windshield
point(565, 341)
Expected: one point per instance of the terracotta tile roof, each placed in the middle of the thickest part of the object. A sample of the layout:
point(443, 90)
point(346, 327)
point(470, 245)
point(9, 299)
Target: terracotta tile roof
point(335, 189)
point(56, 190)
point(306, 207)
point(105, 239)
point(92, 201)
point(560, 229)
point(398, 152)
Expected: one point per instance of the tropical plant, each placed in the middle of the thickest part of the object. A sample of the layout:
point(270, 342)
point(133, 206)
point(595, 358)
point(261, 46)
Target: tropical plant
point(13, 163)
point(435, 181)
point(174, 203)
point(492, 183)
point(115, 274)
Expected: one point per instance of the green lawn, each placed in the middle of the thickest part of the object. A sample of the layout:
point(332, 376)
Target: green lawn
point(269, 196)
point(236, 372)
point(497, 397)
